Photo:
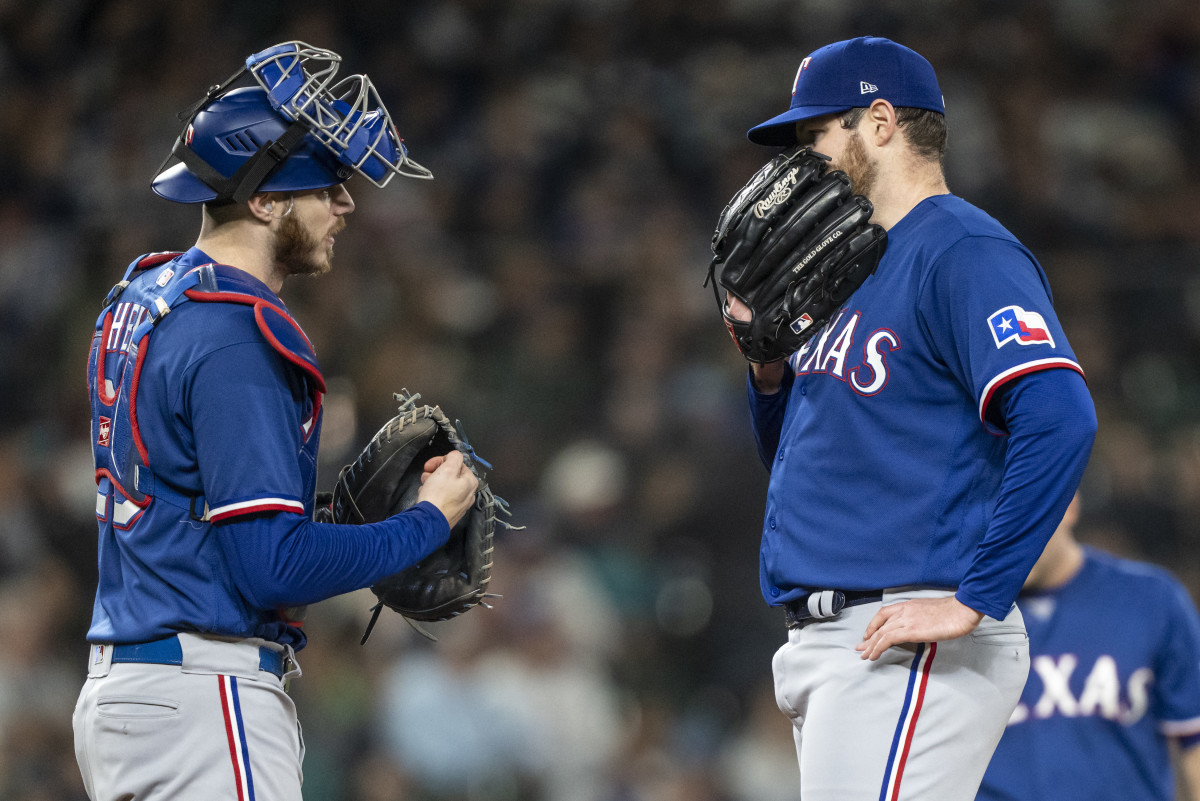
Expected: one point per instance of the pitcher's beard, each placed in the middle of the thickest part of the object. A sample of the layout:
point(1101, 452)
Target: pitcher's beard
point(858, 167)
point(300, 253)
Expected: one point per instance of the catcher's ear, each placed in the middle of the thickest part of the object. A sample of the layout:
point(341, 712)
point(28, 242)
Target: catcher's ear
point(261, 207)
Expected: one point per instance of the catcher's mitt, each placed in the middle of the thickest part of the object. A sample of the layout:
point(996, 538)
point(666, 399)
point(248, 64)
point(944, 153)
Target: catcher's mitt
point(385, 480)
point(792, 245)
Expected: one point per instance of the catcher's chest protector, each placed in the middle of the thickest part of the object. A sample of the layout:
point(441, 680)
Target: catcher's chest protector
point(154, 285)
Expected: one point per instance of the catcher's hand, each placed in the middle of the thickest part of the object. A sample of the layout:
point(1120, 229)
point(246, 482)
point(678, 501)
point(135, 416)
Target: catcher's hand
point(419, 455)
point(450, 485)
point(791, 246)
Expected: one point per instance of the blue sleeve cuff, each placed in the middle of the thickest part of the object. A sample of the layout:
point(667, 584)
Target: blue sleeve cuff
point(982, 606)
point(766, 412)
point(433, 522)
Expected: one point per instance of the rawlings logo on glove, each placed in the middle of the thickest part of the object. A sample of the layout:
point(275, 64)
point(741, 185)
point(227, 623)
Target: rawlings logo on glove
point(779, 193)
point(805, 246)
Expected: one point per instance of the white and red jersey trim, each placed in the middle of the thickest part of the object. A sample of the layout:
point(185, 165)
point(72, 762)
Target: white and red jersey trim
point(1013, 373)
point(229, 510)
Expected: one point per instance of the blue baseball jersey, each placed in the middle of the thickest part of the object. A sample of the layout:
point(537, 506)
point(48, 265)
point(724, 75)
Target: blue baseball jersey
point(206, 422)
point(886, 461)
point(1115, 673)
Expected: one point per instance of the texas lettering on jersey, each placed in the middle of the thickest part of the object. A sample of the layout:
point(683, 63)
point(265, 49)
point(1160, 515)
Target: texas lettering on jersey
point(1104, 694)
point(830, 354)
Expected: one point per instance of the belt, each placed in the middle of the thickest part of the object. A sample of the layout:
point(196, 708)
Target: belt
point(170, 652)
point(824, 604)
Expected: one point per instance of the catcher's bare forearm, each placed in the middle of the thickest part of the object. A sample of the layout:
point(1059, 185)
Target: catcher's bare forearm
point(449, 485)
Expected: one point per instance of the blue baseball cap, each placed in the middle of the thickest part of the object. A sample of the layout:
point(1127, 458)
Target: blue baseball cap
point(851, 74)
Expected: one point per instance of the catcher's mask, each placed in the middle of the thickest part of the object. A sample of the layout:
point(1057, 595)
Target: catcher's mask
point(295, 130)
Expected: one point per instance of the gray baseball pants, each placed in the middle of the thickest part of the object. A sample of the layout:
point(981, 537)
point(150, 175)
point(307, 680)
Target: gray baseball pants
point(215, 728)
point(921, 722)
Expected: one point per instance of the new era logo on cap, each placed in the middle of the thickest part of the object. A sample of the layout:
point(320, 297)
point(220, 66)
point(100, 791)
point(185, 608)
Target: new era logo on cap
point(865, 88)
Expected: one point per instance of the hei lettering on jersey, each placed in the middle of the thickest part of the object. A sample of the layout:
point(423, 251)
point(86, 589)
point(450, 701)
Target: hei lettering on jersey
point(126, 318)
point(190, 360)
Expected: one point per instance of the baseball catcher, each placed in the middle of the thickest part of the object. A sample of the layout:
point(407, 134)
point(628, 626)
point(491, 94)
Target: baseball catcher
point(384, 481)
point(207, 403)
point(792, 245)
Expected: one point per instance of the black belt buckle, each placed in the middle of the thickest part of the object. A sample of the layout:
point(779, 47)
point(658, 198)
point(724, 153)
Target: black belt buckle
point(825, 604)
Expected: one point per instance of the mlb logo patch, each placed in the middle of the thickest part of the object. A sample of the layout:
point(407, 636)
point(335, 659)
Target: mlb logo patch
point(801, 323)
point(105, 432)
point(1012, 323)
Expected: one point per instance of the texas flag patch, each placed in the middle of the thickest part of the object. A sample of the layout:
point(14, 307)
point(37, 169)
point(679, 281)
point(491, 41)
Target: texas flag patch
point(1014, 323)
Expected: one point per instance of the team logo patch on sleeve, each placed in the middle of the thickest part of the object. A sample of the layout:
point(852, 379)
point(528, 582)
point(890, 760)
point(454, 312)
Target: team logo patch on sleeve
point(1025, 327)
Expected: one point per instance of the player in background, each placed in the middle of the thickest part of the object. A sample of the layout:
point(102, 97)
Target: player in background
point(1114, 687)
point(206, 399)
point(922, 448)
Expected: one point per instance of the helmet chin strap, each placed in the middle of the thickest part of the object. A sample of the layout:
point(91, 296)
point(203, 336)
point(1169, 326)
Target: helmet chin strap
point(250, 176)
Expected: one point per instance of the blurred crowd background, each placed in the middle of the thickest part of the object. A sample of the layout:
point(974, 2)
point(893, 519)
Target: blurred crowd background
point(547, 289)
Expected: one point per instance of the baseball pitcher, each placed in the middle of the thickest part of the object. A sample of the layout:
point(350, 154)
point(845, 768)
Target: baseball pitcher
point(923, 419)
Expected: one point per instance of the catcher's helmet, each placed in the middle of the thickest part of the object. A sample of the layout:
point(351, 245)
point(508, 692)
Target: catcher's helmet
point(295, 130)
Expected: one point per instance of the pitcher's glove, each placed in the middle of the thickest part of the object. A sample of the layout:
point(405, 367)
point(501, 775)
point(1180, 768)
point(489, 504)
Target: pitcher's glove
point(385, 480)
point(792, 245)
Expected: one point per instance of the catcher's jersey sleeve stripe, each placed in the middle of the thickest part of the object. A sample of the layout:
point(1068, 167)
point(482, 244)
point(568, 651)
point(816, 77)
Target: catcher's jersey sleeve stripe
point(254, 507)
point(1013, 373)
